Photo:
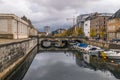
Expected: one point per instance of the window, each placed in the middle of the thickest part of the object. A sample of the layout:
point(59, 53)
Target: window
point(111, 28)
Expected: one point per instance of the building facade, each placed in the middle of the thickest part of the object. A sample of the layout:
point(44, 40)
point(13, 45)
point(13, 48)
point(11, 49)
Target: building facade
point(58, 31)
point(81, 19)
point(95, 25)
point(113, 26)
point(41, 34)
point(33, 32)
point(31, 29)
point(14, 27)
point(86, 29)
point(99, 24)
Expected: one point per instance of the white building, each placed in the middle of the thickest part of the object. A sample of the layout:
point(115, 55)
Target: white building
point(87, 28)
point(13, 27)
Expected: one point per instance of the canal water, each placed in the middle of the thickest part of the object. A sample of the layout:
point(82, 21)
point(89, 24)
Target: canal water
point(64, 65)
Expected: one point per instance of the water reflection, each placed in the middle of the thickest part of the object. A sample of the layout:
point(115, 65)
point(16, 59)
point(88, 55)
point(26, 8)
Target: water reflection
point(62, 66)
point(98, 63)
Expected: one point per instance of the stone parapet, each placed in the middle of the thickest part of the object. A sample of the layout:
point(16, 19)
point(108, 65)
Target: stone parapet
point(11, 52)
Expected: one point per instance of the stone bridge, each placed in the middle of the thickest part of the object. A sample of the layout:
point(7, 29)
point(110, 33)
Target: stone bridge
point(53, 40)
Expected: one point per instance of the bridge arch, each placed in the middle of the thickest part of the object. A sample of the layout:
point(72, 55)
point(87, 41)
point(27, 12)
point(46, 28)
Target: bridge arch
point(52, 42)
point(46, 43)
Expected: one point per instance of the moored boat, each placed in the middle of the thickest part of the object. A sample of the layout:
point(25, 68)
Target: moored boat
point(93, 50)
point(112, 53)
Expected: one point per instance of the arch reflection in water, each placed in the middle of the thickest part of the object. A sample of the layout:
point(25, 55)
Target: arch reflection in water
point(97, 63)
point(54, 43)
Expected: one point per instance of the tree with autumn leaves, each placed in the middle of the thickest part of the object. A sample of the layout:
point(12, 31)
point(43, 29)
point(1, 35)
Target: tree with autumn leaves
point(76, 31)
point(92, 33)
point(101, 34)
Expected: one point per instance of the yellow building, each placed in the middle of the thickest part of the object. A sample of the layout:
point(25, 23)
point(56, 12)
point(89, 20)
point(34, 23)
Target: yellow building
point(113, 26)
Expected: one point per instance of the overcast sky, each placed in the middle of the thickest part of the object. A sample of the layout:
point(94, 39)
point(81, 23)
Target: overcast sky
point(55, 12)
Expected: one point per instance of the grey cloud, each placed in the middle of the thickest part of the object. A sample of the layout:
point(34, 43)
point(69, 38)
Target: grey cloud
point(55, 12)
point(1, 1)
point(64, 4)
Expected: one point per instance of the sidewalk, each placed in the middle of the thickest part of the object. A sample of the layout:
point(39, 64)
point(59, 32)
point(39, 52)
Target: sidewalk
point(5, 41)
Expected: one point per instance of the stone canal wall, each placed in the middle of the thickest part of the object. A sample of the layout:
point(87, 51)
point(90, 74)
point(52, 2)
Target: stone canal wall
point(10, 53)
point(102, 44)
